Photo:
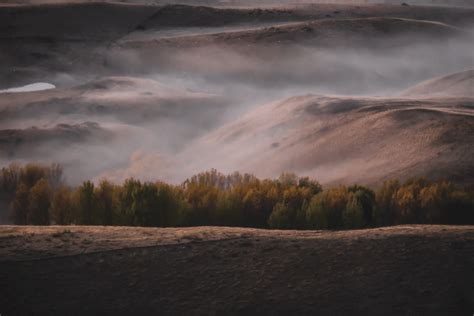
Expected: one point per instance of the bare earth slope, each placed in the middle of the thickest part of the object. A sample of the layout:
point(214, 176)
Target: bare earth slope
point(211, 270)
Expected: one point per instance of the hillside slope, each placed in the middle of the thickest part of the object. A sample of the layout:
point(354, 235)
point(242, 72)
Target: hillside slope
point(349, 139)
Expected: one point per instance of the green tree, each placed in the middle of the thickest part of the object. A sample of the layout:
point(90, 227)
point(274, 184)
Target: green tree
point(353, 214)
point(384, 201)
point(443, 202)
point(125, 212)
point(9, 180)
point(146, 205)
point(105, 202)
point(62, 206)
point(87, 204)
point(313, 185)
point(55, 176)
point(282, 216)
point(32, 173)
point(366, 198)
point(170, 204)
point(39, 201)
point(255, 209)
point(229, 208)
point(202, 198)
point(317, 212)
point(288, 179)
point(20, 205)
point(326, 208)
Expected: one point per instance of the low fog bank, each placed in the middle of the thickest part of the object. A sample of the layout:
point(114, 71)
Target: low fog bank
point(99, 125)
point(347, 57)
point(300, 69)
point(154, 122)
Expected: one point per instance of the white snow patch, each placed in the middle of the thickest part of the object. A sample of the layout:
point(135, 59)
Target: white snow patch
point(37, 86)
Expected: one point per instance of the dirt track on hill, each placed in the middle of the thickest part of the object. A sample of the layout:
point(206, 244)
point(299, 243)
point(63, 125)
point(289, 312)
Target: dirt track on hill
point(402, 270)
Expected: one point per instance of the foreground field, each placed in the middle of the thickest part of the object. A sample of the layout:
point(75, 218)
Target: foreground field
point(212, 270)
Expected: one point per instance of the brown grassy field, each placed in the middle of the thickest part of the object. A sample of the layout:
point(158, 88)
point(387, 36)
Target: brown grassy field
point(219, 270)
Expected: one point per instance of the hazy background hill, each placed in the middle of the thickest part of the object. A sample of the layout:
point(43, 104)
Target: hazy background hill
point(336, 91)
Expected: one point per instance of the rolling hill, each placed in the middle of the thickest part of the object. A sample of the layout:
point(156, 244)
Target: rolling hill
point(329, 74)
point(454, 85)
point(348, 139)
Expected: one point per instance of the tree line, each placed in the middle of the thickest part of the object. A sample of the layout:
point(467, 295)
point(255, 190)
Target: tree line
point(37, 195)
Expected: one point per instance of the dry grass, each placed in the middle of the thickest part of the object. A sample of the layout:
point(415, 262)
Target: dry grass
point(34, 242)
point(219, 270)
point(348, 139)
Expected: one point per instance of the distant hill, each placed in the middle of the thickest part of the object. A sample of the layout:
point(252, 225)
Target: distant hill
point(460, 84)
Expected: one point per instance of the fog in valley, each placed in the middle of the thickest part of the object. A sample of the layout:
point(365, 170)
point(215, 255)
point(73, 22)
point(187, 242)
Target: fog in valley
point(152, 97)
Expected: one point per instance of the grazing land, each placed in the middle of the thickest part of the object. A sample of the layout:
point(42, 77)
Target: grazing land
point(214, 270)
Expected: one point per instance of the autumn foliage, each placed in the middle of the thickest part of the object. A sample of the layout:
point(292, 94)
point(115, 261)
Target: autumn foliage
point(37, 195)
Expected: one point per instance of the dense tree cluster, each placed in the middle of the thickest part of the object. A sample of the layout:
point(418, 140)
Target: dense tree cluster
point(38, 196)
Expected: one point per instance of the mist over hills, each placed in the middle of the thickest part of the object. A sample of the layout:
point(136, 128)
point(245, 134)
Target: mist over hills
point(335, 91)
point(350, 139)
